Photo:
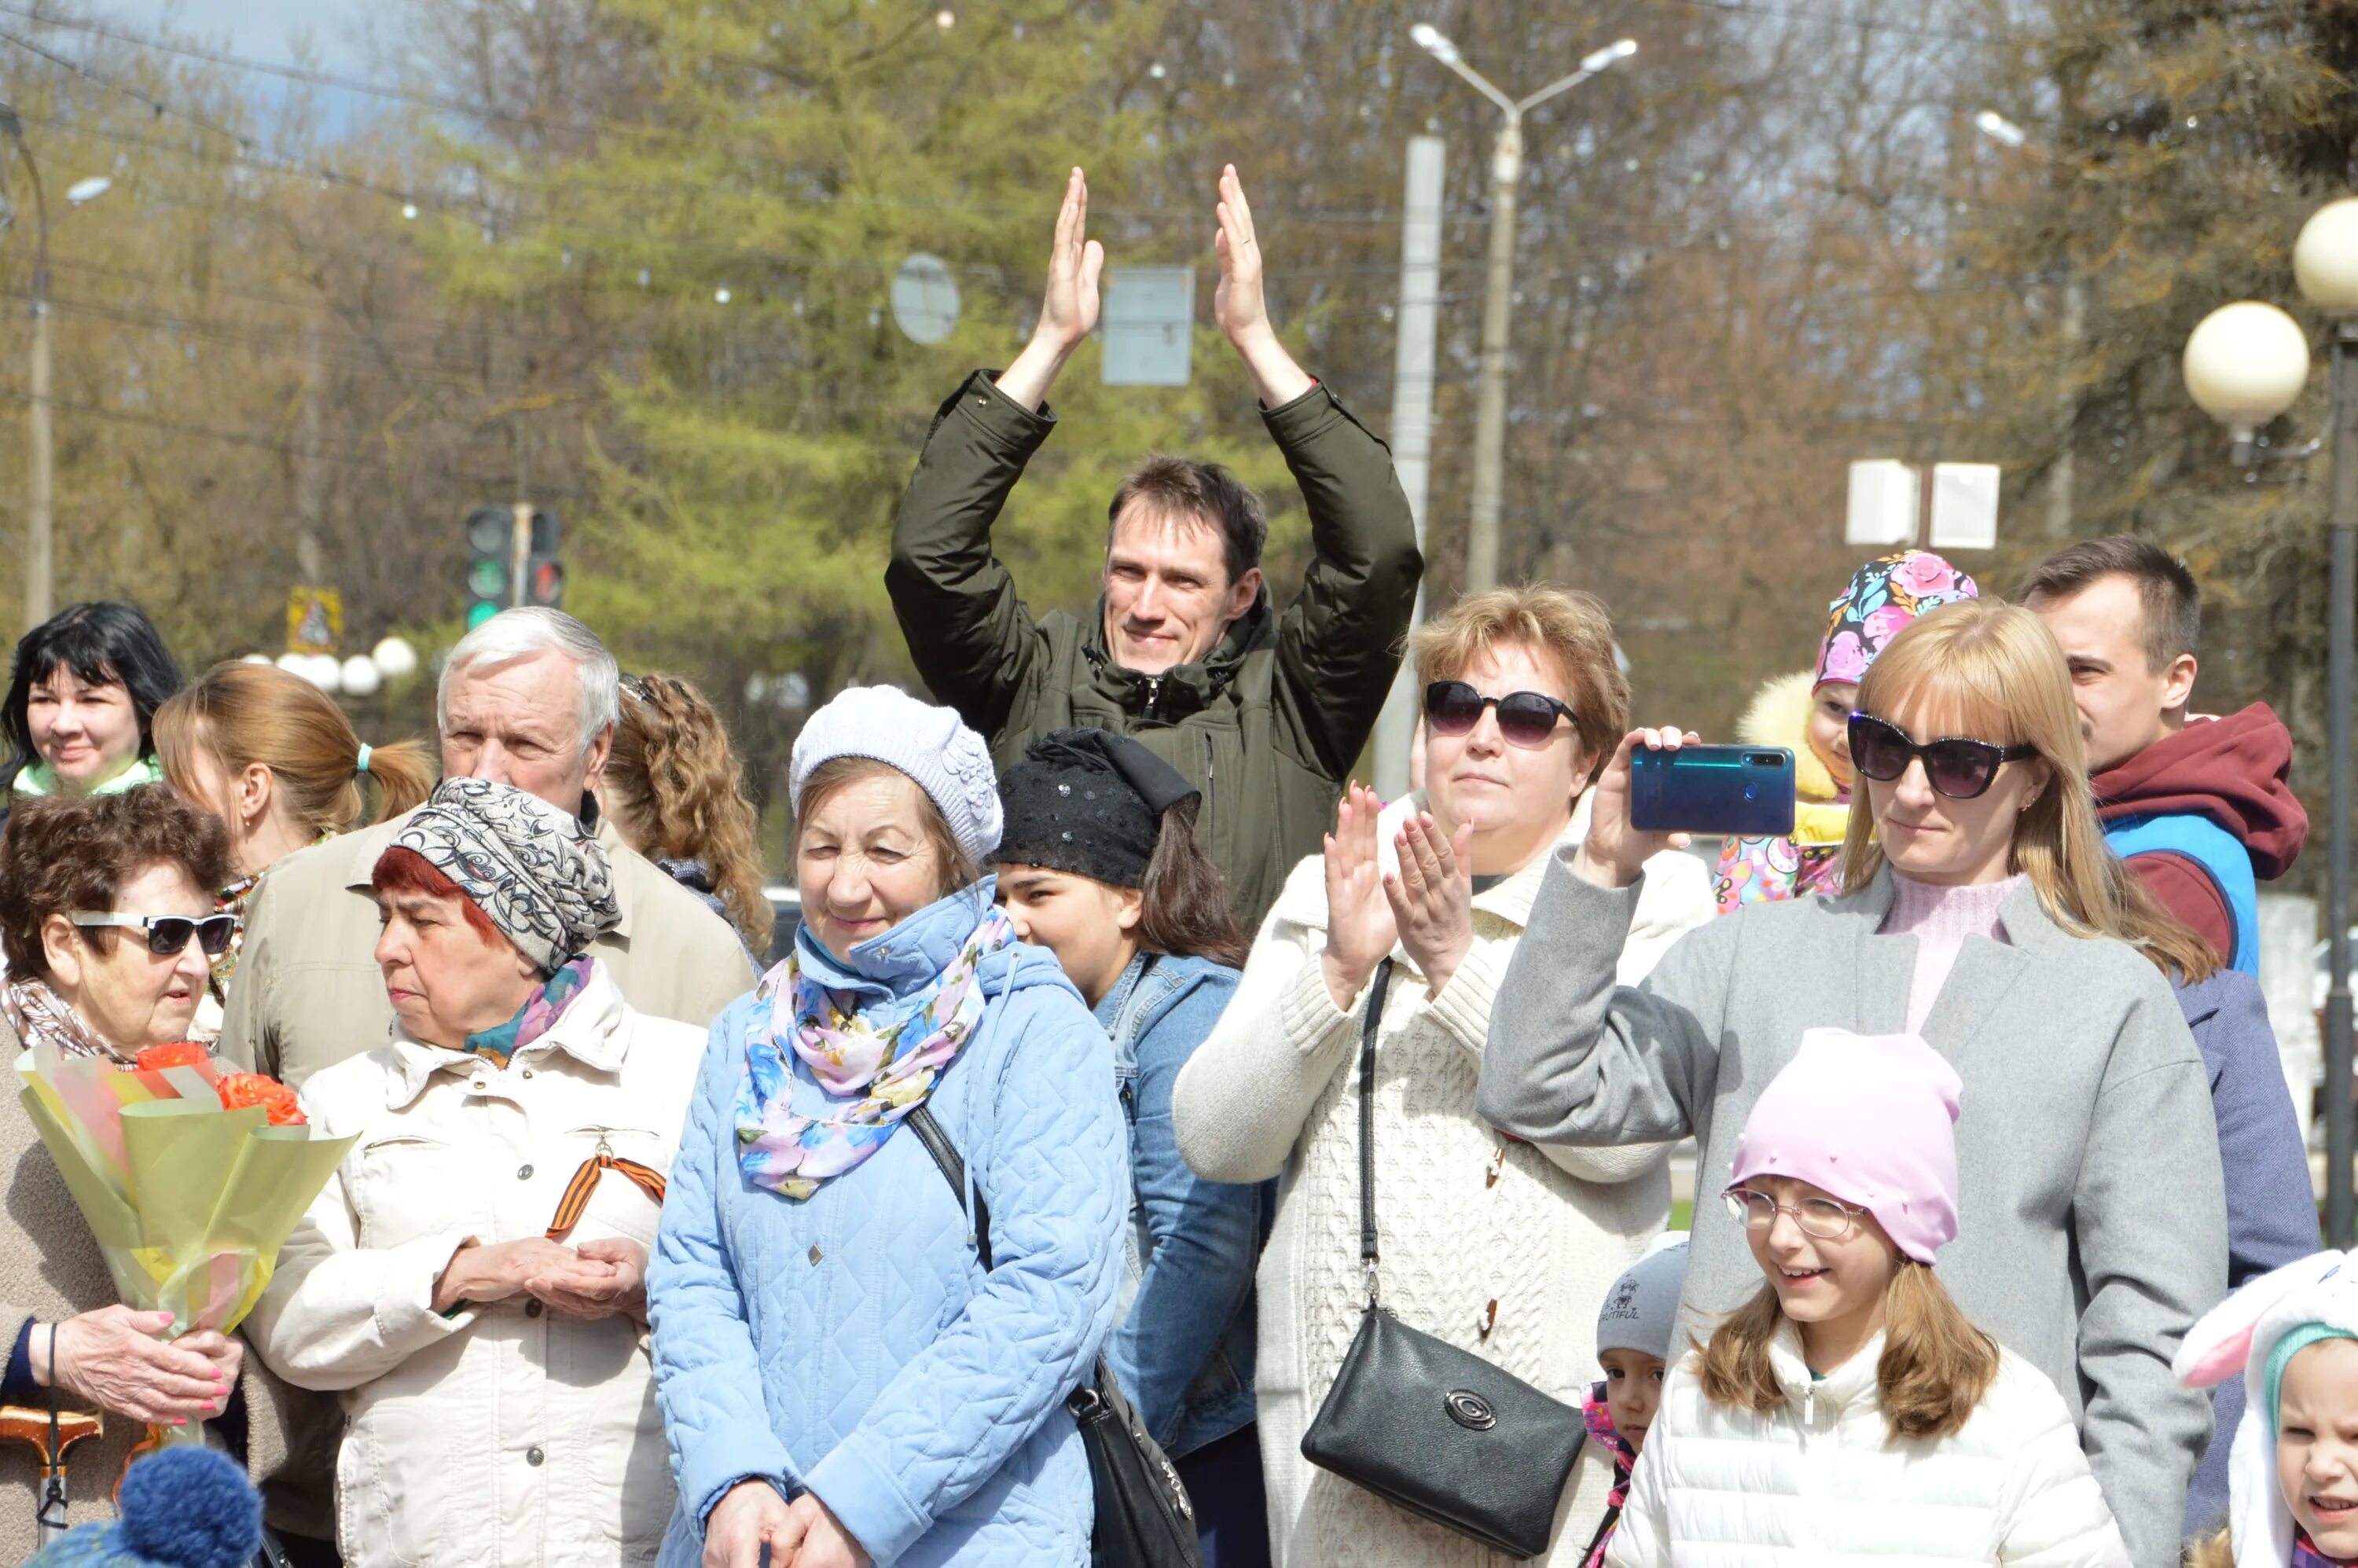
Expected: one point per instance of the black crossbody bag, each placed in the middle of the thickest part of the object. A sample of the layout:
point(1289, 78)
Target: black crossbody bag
point(1143, 1517)
point(1420, 1423)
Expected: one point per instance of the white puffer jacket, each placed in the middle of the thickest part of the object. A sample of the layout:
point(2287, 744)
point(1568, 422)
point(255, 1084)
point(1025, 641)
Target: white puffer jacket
point(1819, 1481)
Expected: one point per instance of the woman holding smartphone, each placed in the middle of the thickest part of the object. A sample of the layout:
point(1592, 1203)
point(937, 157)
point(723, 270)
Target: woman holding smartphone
point(1979, 908)
point(1499, 1247)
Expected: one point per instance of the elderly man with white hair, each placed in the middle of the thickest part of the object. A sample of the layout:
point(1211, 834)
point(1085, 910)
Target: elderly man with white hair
point(530, 698)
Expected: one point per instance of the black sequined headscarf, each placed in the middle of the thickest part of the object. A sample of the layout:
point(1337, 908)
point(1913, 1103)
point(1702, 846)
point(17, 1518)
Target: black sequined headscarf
point(1090, 802)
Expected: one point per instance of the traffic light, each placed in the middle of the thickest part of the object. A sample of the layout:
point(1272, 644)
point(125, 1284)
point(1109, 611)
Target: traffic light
point(544, 574)
point(512, 559)
point(490, 545)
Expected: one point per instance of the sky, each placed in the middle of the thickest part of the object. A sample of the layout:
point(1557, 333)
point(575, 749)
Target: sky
point(268, 30)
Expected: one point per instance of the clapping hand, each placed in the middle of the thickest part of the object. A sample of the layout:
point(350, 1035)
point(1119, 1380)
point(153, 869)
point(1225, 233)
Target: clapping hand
point(1239, 303)
point(1432, 897)
point(1616, 852)
point(1360, 926)
point(1068, 311)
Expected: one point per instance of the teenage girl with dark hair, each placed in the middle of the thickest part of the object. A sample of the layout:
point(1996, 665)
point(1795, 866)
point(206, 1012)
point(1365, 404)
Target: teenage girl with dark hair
point(1100, 864)
point(82, 696)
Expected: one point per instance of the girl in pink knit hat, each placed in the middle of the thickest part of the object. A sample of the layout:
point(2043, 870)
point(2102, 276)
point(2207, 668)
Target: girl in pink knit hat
point(1850, 1411)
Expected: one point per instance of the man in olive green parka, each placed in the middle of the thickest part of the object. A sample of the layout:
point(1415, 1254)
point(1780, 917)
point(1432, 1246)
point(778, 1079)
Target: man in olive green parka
point(1265, 713)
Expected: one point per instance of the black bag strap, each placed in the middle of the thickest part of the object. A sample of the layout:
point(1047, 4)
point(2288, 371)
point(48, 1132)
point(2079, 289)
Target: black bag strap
point(953, 1168)
point(1374, 1019)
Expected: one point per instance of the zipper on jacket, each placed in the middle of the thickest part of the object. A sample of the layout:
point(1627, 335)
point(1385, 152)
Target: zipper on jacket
point(1209, 794)
point(1154, 694)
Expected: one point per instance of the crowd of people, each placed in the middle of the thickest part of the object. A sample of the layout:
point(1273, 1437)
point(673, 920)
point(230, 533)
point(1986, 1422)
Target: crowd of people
point(1113, 1007)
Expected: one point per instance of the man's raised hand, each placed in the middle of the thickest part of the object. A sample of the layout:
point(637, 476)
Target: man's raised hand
point(1068, 312)
point(1239, 304)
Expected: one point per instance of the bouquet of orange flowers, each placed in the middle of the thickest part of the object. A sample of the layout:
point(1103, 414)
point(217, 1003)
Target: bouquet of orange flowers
point(190, 1178)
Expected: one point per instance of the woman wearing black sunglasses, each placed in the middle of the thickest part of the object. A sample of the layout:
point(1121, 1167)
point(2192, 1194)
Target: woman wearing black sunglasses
point(1500, 1246)
point(1980, 908)
point(103, 900)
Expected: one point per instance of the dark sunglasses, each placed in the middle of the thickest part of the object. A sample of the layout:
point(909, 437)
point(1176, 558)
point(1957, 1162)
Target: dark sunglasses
point(1525, 718)
point(1958, 768)
point(168, 934)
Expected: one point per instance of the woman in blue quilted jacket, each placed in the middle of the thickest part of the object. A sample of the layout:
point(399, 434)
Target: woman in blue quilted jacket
point(842, 1380)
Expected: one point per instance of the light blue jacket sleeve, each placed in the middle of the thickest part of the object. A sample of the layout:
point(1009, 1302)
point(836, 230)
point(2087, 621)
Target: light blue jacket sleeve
point(1206, 1234)
point(708, 1381)
point(1055, 1176)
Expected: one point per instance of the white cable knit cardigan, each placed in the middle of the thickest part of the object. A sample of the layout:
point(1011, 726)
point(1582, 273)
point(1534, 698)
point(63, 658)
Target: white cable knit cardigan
point(1275, 1091)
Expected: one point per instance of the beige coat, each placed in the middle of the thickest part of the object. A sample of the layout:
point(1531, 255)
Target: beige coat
point(307, 993)
point(505, 1435)
point(51, 1270)
point(1466, 1218)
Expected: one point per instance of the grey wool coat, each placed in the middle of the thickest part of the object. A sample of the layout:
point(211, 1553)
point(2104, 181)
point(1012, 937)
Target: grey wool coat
point(2093, 1224)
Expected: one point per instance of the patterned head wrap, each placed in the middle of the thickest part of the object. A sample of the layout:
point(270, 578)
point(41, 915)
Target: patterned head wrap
point(1884, 596)
point(534, 870)
point(1089, 802)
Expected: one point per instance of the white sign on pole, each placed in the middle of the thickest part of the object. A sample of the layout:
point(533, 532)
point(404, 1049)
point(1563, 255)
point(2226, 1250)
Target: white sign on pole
point(1882, 504)
point(1149, 322)
point(925, 299)
point(1964, 506)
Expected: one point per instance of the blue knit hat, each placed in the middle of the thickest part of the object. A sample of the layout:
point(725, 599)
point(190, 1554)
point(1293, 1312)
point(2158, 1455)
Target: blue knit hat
point(184, 1508)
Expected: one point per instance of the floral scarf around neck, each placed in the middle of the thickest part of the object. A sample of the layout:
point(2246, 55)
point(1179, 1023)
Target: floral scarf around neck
point(41, 1017)
point(536, 1018)
point(873, 1078)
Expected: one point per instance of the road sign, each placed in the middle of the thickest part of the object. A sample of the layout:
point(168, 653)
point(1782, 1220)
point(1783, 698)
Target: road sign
point(315, 619)
point(1149, 325)
point(925, 299)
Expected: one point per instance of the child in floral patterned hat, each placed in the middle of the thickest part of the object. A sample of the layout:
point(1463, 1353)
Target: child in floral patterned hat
point(1808, 713)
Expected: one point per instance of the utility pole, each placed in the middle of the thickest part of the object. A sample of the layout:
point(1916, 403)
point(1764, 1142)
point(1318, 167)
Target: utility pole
point(1413, 366)
point(1498, 294)
point(39, 567)
point(2342, 691)
point(1490, 404)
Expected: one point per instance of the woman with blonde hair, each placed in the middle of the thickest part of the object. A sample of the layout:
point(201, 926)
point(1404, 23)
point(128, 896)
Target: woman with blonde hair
point(274, 758)
point(1980, 909)
point(1501, 1247)
point(676, 794)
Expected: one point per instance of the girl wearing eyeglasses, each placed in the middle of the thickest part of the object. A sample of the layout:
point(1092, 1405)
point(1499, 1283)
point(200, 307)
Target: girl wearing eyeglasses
point(1500, 1246)
point(1849, 1411)
point(1808, 713)
point(1980, 908)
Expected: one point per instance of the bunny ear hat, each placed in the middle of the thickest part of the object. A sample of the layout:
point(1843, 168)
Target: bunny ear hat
point(2243, 1333)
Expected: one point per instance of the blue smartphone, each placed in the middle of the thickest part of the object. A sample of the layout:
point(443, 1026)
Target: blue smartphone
point(1727, 792)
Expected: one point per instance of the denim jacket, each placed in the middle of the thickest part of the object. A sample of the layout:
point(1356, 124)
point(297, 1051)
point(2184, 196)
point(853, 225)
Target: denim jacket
point(1183, 1347)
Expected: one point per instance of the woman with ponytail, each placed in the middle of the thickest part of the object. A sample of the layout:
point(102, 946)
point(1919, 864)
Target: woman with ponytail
point(1099, 863)
point(677, 796)
point(277, 761)
point(1849, 1411)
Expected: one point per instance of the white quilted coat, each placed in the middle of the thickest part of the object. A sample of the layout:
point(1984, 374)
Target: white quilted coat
point(1819, 1481)
point(1468, 1218)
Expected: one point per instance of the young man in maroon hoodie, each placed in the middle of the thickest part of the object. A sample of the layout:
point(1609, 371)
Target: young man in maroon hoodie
point(2197, 805)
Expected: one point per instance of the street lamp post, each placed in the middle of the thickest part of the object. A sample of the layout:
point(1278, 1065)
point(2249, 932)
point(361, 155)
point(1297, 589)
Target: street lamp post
point(1498, 298)
point(2246, 365)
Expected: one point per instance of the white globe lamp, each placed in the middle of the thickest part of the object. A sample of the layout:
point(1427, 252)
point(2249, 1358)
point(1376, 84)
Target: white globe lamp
point(2325, 258)
point(296, 665)
point(2244, 364)
point(361, 676)
point(394, 658)
point(325, 671)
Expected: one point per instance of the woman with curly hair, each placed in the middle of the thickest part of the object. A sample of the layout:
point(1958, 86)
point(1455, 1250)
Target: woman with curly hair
point(676, 794)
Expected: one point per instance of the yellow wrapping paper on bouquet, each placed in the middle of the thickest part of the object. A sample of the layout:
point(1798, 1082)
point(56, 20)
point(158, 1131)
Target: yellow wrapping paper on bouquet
point(189, 1203)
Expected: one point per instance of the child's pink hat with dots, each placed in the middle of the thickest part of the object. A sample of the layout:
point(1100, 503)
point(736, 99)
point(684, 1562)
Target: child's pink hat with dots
point(1871, 1119)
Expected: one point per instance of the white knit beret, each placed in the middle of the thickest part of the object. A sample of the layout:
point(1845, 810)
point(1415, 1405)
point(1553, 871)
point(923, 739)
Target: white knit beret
point(949, 761)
